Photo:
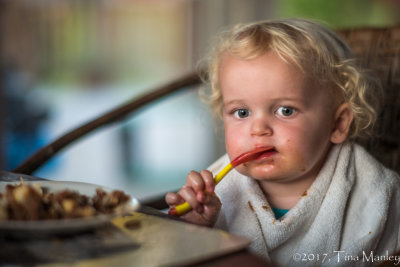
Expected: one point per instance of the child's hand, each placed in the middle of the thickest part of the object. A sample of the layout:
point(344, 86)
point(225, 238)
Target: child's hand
point(199, 193)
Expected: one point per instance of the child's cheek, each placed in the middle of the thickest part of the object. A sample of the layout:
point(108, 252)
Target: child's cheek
point(291, 156)
point(235, 144)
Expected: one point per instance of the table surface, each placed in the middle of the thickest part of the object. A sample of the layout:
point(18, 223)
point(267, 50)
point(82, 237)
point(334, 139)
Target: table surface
point(147, 237)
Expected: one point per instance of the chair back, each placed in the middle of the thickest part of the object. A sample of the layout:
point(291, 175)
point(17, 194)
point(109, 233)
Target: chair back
point(379, 50)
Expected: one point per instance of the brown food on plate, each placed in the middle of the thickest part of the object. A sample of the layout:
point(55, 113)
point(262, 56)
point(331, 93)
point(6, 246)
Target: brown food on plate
point(33, 202)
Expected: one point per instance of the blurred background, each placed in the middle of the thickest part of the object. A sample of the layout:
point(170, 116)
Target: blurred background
point(65, 62)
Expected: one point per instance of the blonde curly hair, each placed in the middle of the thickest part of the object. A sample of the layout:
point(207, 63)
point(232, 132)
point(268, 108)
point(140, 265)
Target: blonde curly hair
point(315, 50)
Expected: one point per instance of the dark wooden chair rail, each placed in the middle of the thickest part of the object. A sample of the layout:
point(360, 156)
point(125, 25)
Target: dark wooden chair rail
point(44, 154)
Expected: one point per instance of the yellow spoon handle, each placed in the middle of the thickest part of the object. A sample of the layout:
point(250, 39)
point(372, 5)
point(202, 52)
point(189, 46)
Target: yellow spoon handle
point(185, 207)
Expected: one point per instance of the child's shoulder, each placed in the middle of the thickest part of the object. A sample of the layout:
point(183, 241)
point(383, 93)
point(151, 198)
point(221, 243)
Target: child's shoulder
point(373, 173)
point(364, 160)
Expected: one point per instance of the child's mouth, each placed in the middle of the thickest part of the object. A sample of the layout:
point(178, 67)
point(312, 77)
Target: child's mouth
point(255, 154)
point(264, 154)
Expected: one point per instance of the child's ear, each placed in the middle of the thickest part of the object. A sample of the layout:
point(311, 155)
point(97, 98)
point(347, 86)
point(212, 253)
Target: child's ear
point(343, 118)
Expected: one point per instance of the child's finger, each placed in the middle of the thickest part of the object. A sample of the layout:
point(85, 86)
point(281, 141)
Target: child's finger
point(208, 179)
point(211, 199)
point(212, 204)
point(195, 180)
point(189, 195)
point(173, 199)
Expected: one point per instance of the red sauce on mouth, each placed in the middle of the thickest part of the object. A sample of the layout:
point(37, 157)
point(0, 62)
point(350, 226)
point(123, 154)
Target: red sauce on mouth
point(257, 153)
point(266, 154)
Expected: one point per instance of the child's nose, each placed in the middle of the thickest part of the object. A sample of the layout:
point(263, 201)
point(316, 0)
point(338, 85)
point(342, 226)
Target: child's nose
point(261, 126)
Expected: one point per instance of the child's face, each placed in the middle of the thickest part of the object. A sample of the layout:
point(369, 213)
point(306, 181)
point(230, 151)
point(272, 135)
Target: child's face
point(267, 102)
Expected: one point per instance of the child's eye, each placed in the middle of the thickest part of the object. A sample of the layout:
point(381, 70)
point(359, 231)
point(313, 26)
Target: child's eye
point(286, 111)
point(242, 113)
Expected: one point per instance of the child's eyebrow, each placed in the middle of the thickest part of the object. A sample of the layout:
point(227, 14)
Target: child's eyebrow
point(278, 99)
point(288, 98)
point(233, 102)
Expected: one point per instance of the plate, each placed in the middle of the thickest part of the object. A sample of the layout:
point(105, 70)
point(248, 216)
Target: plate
point(61, 226)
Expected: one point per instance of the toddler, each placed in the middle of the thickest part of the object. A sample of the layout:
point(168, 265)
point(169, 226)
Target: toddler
point(316, 197)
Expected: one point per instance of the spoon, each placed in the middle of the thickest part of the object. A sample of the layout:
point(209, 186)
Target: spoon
point(243, 158)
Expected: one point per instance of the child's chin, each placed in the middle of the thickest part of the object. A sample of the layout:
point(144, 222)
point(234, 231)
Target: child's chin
point(258, 173)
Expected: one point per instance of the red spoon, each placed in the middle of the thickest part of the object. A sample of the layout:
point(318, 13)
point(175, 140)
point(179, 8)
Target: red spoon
point(243, 158)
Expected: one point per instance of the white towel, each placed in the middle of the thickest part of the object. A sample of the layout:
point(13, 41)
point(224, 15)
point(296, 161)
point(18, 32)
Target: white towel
point(350, 215)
